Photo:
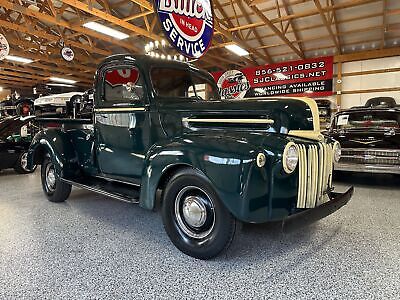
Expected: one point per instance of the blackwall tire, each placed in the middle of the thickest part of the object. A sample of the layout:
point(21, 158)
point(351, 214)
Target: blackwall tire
point(54, 189)
point(194, 218)
point(21, 165)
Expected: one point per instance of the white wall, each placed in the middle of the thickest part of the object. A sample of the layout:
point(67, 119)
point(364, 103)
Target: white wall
point(370, 81)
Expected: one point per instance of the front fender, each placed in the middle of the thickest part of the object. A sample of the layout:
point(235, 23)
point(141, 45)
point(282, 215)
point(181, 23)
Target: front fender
point(228, 163)
point(58, 145)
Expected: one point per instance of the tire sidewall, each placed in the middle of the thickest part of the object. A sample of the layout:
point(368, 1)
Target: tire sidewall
point(222, 233)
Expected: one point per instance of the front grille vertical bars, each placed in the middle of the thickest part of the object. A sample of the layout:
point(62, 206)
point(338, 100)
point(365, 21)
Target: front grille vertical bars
point(315, 174)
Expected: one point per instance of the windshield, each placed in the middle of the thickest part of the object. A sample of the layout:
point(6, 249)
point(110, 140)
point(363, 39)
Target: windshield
point(183, 83)
point(369, 120)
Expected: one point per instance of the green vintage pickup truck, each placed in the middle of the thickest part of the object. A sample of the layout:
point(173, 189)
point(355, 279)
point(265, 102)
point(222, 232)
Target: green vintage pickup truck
point(160, 126)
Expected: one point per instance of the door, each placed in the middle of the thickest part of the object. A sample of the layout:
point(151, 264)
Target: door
point(121, 123)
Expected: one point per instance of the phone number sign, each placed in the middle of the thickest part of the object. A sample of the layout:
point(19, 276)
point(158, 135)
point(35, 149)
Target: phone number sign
point(310, 77)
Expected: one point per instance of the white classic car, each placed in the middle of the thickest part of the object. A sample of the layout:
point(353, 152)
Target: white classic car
point(57, 104)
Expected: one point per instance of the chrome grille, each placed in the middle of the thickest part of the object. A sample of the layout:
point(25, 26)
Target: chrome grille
point(315, 174)
point(370, 156)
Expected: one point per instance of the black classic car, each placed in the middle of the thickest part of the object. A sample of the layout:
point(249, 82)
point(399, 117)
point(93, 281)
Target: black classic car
point(161, 125)
point(370, 139)
point(15, 137)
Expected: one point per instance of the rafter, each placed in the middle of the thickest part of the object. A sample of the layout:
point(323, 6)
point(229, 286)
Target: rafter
point(268, 23)
point(327, 24)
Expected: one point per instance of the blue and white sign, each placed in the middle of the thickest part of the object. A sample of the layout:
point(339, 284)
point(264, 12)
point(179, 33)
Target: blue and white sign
point(188, 24)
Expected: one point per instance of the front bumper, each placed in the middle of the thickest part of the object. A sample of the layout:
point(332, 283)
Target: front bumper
point(368, 168)
point(312, 215)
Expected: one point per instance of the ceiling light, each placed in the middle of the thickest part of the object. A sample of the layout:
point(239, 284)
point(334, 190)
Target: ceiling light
point(60, 84)
point(19, 59)
point(63, 80)
point(1, 88)
point(237, 50)
point(106, 30)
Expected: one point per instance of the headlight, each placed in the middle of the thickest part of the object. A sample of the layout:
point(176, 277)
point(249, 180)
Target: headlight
point(290, 158)
point(337, 152)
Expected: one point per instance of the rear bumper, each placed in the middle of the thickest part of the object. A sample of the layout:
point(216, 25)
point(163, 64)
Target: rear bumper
point(314, 214)
point(368, 168)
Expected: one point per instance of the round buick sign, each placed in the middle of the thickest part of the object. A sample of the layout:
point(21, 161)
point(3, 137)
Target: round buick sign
point(233, 84)
point(188, 24)
point(4, 47)
point(67, 53)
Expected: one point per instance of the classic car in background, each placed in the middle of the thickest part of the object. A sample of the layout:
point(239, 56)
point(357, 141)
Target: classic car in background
point(56, 105)
point(16, 134)
point(161, 125)
point(325, 112)
point(370, 139)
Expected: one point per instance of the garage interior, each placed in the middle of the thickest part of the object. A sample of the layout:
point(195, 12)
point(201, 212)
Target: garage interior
point(92, 246)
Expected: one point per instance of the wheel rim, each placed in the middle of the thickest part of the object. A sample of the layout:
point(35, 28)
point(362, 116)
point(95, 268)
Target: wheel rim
point(50, 178)
point(24, 161)
point(194, 212)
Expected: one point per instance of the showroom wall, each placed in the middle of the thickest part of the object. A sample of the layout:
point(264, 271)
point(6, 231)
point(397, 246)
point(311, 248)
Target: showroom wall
point(365, 79)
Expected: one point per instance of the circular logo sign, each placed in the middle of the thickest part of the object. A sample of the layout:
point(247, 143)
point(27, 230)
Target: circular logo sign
point(4, 47)
point(188, 24)
point(233, 84)
point(67, 53)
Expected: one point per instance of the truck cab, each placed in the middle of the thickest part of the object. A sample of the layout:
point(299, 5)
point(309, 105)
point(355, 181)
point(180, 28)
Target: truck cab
point(160, 125)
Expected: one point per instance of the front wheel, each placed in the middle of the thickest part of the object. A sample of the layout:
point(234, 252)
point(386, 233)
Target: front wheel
point(53, 187)
point(194, 218)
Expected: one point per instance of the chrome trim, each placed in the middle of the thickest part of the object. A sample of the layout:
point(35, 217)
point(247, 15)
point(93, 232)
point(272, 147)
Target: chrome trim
point(119, 109)
point(366, 168)
point(116, 180)
point(233, 121)
point(315, 174)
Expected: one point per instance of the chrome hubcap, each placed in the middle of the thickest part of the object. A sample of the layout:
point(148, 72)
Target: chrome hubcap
point(24, 161)
point(50, 178)
point(194, 212)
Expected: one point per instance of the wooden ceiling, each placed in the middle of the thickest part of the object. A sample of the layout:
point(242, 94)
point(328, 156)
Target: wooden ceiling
point(270, 30)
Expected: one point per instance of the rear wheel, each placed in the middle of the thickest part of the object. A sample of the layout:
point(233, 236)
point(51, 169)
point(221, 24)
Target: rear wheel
point(194, 218)
point(22, 164)
point(53, 187)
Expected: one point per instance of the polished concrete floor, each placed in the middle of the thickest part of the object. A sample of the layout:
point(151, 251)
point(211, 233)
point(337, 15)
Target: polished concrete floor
point(92, 247)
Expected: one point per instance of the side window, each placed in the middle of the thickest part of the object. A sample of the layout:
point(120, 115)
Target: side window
point(123, 84)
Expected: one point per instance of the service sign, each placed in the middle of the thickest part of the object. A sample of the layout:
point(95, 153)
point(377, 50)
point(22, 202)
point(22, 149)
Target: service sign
point(188, 24)
point(119, 77)
point(310, 77)
point(4, 47)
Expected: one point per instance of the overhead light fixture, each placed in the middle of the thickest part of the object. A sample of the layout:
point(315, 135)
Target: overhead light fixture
point(1, 88)
point(106, 30)
point(19, 59)
point(237, 50)
point(61, 84)
point(63, 80)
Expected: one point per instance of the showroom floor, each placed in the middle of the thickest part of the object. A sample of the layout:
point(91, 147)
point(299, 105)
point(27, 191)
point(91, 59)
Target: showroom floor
point(96, 247)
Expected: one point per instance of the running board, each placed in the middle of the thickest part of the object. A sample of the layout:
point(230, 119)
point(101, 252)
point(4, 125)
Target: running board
point(117, 191)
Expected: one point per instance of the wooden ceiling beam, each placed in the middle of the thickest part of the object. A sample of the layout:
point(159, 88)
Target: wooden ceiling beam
point(256, 34)
point(273, 28)
point(112, 19)
point(52, 20)
point(52, 38)
point(327, 24)
point(384, 3)
point(381, 53)
point(145, 4)
point(294, 29)
point(307, 13)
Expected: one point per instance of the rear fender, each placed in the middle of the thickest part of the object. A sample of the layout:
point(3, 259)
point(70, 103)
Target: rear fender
point(56, 144)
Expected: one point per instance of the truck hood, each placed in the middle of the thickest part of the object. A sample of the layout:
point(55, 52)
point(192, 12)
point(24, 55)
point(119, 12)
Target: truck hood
point(276, 115)
point(382, 139)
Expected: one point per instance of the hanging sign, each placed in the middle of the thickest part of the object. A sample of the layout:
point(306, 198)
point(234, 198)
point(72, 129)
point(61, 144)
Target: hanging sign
point(67, 53)
point(309, 77)
point(4, 47)
point(188, 24)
